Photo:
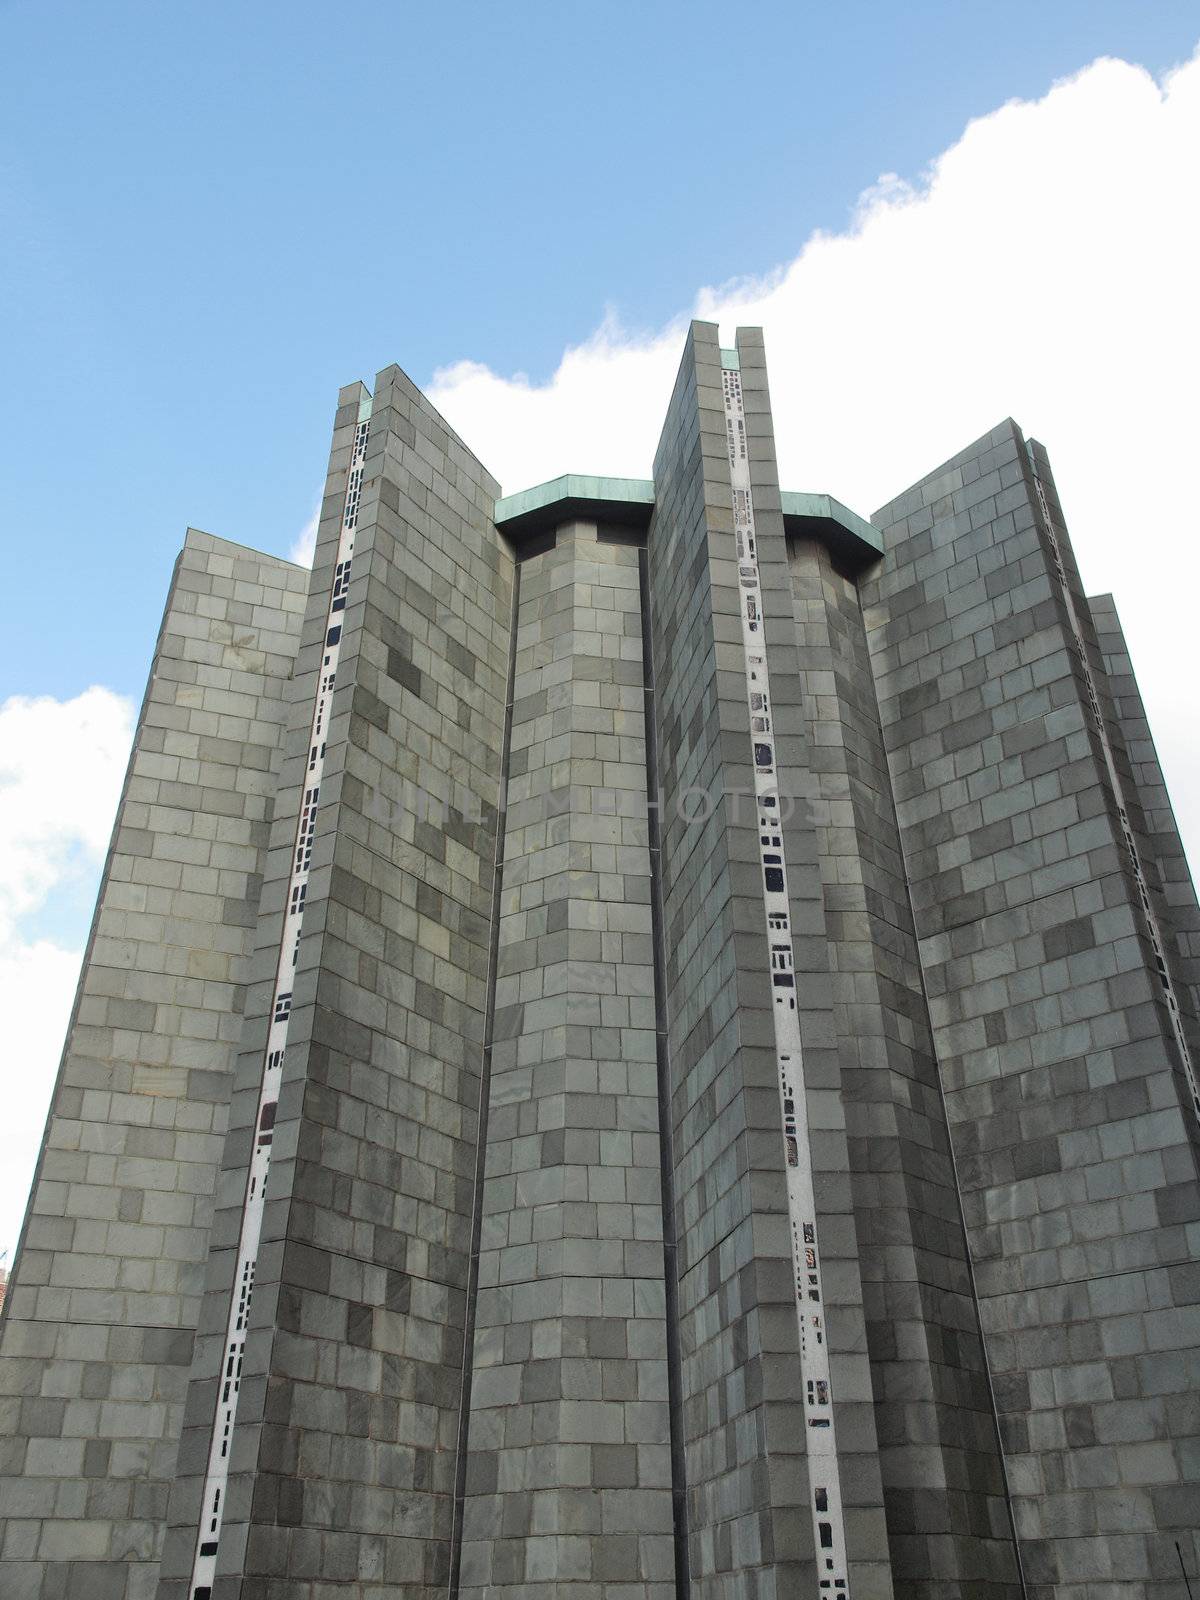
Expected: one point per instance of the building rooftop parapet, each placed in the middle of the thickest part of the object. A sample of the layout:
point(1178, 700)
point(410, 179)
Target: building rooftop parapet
point(629, 502)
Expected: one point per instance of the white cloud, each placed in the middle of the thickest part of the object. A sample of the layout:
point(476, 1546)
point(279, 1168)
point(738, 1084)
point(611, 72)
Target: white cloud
point(304, 545)
point(61, 767)
point(1045, 268)
point(37, 990)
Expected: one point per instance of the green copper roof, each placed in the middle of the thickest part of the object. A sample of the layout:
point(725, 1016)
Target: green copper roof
point(824, 508)
point(629, 501)
point(575, 486)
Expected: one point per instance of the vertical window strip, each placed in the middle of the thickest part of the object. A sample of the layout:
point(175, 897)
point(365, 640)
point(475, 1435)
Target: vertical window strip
point(204, 1562)
point(828, 1519)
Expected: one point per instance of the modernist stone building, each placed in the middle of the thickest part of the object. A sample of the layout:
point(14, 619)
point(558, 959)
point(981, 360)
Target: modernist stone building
point(637, 1043)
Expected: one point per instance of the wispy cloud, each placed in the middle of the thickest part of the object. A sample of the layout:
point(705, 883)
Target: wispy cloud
point(305, 543)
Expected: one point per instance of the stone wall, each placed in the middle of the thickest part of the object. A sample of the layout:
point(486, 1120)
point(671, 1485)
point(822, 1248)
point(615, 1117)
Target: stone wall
point(948, 1523)
point(105, 1292)
point(743, 1416)
point(569, 1474)
point(344, 1451)
point(1075, 1147)
point(522, 1315)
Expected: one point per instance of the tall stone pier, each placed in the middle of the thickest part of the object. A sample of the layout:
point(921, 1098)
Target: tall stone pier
point(639, 1042)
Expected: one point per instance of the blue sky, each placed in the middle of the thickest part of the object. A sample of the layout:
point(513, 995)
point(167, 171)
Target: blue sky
point(219, 213)
point(216, 215)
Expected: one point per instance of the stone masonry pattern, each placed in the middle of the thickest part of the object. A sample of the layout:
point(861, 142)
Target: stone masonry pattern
point(520, 1318)
point(101, 1317)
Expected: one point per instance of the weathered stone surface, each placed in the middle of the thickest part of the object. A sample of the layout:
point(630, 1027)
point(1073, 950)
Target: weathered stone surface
point(1068, 1110)
point(104, 1300)
point(524, 1310)
point(569, 1478)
